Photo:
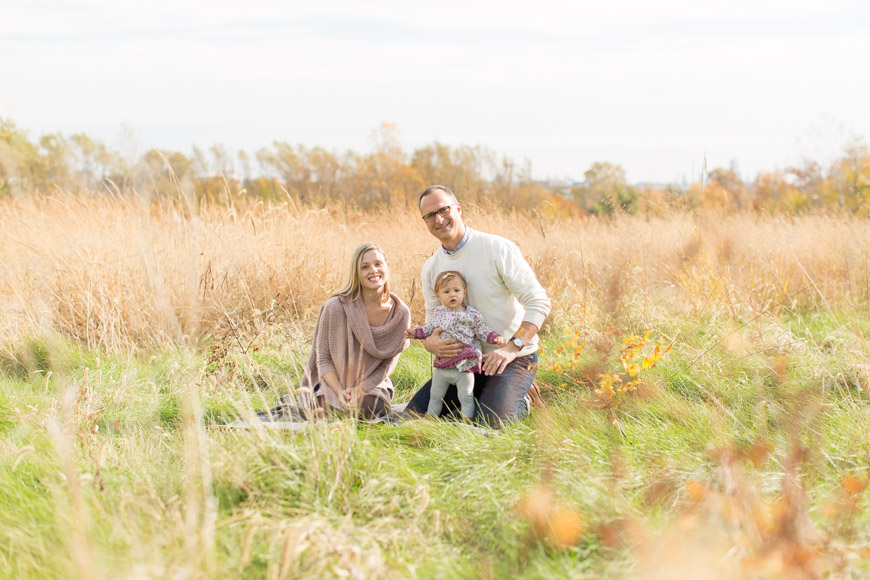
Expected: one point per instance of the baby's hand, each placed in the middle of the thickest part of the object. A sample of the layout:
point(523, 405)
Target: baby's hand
point(409, 333)
point(500, 341)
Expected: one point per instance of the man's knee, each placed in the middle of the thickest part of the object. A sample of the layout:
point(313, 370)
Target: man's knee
point(502, 403)
point(500, 414)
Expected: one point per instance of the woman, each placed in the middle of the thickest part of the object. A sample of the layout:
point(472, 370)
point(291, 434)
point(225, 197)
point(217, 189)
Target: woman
point(359, 335)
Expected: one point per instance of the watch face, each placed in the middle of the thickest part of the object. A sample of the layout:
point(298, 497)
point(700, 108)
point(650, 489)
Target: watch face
point(518, 342)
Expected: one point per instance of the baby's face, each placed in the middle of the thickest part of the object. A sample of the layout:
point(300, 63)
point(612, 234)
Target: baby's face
point(451, 294)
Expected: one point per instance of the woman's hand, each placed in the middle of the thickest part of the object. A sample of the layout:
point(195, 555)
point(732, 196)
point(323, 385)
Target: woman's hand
point(500, 341)
point(496, 361)
point(351, 397)
point(332, 383)
point(442, 347)
point(409, 333)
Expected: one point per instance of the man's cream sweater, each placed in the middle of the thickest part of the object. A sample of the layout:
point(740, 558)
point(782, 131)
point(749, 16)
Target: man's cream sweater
point(501, 284)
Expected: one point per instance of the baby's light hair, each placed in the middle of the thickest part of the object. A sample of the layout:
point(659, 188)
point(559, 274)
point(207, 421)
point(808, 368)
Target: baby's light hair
point(445, 277)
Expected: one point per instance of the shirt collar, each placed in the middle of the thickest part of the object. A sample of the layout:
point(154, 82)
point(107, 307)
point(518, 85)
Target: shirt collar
point(460, 245)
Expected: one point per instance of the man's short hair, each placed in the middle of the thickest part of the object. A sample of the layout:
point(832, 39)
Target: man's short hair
point(433, 189)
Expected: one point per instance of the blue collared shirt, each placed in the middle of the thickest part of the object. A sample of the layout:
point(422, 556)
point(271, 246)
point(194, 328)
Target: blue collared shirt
point(459, 246)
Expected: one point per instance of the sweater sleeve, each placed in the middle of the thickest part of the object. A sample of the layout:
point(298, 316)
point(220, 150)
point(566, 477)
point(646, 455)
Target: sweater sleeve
point(323, 332)
point(520, 279)
point(424, 331)
point(430, 298)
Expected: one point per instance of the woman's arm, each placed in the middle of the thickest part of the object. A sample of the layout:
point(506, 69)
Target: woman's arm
point(323, 331)
point(326, 328)
point(331, 380)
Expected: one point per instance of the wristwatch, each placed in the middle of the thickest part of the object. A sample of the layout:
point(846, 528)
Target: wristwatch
point(518, 342)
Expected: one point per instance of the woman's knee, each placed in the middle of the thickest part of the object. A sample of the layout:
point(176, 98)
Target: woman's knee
point(372, 407)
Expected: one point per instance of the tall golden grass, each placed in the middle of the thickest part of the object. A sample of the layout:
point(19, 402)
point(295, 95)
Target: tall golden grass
point(116, 272)
point(132, 492)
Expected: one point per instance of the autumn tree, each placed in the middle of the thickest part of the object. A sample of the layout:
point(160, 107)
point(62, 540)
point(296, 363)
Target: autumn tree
point(725, 190)
point(291, 165)
point(460, 168)
point(21, 167)
point(605, 190)
point(848, 182)
point(512, 184)
point(167, 173)
point(387, 176)
point(384, 174)
point(94, 162)
point(327, 172)
point(774, 192)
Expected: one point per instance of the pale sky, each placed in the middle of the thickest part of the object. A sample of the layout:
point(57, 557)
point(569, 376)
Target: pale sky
point(652, 86)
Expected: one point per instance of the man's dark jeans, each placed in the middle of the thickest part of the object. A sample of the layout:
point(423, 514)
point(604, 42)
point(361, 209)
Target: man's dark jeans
point(499, 398)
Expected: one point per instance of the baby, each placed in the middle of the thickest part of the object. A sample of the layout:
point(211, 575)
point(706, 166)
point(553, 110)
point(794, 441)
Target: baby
point(465, 324)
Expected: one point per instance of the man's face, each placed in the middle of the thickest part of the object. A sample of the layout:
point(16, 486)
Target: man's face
point(447, 228)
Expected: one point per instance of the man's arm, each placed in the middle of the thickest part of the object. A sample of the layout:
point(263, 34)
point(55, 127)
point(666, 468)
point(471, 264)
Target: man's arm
point(442, 347)
point(520, 279)
point(496, 361)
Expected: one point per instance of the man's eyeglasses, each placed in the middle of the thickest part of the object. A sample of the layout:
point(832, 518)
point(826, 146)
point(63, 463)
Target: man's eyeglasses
point(442, 211)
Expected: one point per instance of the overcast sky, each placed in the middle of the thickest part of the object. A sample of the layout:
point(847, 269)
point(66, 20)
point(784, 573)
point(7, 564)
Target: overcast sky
point(652, 86)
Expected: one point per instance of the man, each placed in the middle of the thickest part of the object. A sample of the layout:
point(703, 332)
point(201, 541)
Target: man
point(503, 287)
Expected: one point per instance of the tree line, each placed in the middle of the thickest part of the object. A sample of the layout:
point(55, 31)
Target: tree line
point(388, 176)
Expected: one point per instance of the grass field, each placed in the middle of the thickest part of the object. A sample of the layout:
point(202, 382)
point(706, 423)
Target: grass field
point(130, 330)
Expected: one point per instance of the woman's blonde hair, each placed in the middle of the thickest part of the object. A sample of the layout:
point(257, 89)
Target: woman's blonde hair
point(353, 287)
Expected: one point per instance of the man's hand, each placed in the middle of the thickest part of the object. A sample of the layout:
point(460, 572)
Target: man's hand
point(442, 347)
point(496, 361)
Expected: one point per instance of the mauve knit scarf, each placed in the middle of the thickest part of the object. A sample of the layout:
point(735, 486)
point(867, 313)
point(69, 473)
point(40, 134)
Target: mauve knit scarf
point(380, 343)
point(385, 341)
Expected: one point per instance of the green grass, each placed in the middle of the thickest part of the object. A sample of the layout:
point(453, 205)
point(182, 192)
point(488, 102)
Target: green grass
point(115, 466)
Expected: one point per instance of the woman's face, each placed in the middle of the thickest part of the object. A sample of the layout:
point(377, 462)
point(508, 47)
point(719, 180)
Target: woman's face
point(374, 271)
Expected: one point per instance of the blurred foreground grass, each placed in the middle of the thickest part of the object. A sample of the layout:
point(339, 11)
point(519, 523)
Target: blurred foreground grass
point(744, 453)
